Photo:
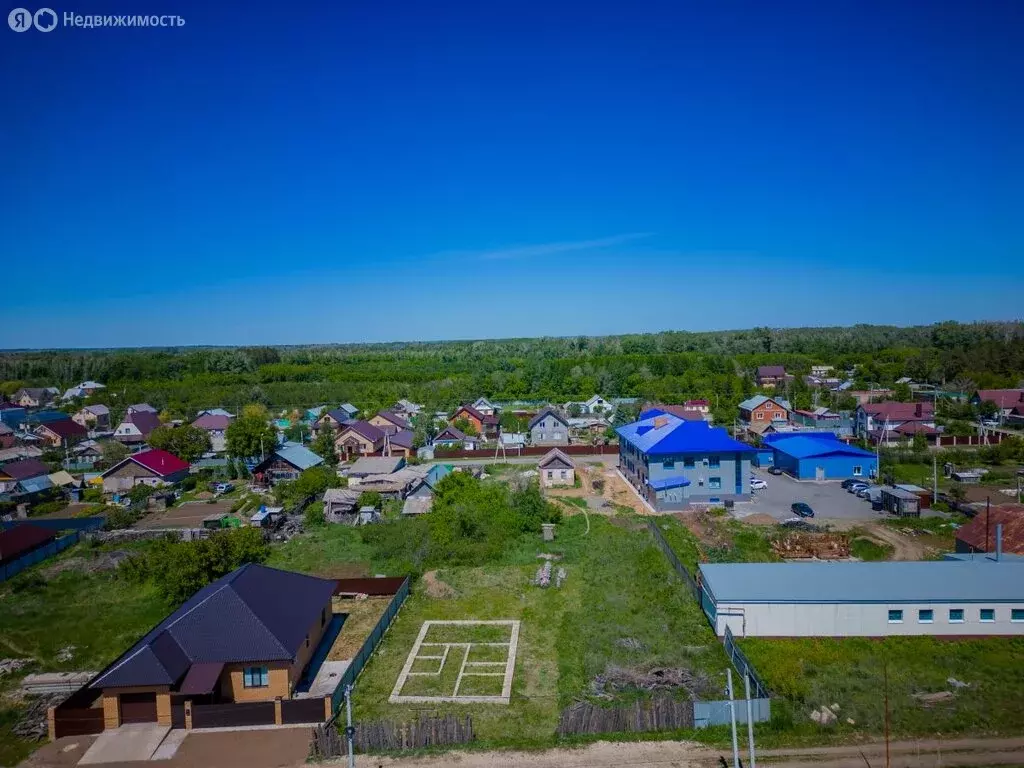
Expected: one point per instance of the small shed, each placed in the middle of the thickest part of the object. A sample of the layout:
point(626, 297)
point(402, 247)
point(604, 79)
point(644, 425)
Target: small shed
point(267, 517)
point(901, 503)
point(556, 469)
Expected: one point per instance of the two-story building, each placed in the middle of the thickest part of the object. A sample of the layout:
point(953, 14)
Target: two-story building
point(484, 425)
point(770, 376)
point(878, 417)
point(1005, 399)
point(674, 463)
point(93, 417)
point(216, 426)
point(549, 427)
point(761, 409)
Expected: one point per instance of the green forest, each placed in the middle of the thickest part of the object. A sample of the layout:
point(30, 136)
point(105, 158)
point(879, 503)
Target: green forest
point(669, 367)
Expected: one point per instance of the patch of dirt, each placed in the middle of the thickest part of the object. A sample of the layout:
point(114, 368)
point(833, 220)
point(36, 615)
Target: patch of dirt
point(759, 519)
point(705, 528)
point(363, 616)
point(103, 561)
point(436, 588)
point(616, 679)
point(904, 547)
point(345, 571)
point(620, 493)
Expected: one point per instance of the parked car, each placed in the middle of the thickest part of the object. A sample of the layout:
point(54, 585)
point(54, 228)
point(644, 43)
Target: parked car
point(848, 482)
point(774, 471)
point(223, 487)
point(857, 488)
point(865, 492)
point(802, 510)
point(990, 423)
point(757, 484)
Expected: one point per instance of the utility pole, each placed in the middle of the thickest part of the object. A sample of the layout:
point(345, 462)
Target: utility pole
point(350, 731)
point(750, 719)
point(935, 478)
point(885, 672)
point(732, 720)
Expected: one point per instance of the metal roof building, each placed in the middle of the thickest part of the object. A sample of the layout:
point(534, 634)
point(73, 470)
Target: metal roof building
point(869, 599)
point(820, 456)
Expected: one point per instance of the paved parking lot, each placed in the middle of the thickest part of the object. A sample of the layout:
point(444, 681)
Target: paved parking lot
point(827, 499)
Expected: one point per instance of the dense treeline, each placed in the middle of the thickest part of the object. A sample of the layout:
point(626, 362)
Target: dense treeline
point(664, 366)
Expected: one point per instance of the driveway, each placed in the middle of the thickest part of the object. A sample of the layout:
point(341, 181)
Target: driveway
point(828, 500)
point(129, 743)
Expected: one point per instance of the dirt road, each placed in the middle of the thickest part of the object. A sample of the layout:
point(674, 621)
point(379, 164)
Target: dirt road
point(676, 754)
point(904, 547)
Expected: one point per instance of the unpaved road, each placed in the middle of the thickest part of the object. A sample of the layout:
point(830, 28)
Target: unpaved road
point(925, 753)
point(903, 547)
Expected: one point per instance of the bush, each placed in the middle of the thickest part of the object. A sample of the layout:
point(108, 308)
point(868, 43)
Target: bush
point(120, 517)
point(189, 483)
point(92, 495)
point(314, 516)
point(312, 482)
point(47, 507)
point(369, 499)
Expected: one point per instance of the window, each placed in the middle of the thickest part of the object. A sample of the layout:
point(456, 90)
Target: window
point(714, 462)
point(688, 463)
point(564, 474)
point(714, 482)
point(987, 615)
point(956, 615)
point(759, 416)
point(925, 616)
point(895, 617)
point(858, 471)
point(1017, 615)
point(255, 677)
point(668, 464)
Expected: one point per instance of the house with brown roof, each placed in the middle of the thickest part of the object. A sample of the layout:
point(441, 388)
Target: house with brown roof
point(556, 469)
point(1005, 399)
point(24, 476)
point(359, 438)
point(885, 416)
point(389, 422)
point(93, 417)
point(34, 397)
point(59, 434)
point(770, 376)
point(7, 436)
point(485, 425)
point(216, 426)
point(246, 637)
point(154, 468)
point(136, 427)
point(979, 535)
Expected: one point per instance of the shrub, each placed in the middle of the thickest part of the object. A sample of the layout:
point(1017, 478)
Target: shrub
point(92, 495)
point(120, 517)
point(369, 499)
point(47, 507)
point(189, 483)
point(314, 516)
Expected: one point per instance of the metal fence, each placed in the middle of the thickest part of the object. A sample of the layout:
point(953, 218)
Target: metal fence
point(707, 713)
point(58, 523)
point(677, 565)
point(13, 568)
point(370, 645)
point(739, 660)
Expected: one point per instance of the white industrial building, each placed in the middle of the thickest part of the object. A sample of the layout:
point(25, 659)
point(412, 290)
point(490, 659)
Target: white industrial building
point(948, 598)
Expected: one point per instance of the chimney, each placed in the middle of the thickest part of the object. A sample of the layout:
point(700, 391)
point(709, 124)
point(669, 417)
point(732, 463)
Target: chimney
point(919, 410)
point(999, 542)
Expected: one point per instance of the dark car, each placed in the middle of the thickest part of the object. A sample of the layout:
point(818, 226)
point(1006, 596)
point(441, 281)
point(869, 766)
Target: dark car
point(848, 482)
point(774, 471)
point(801, 509)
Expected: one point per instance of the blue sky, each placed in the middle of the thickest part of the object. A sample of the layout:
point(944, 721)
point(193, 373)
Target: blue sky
point(365, 171)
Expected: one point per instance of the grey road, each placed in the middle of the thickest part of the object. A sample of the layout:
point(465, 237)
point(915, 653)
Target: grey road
point(828, 500)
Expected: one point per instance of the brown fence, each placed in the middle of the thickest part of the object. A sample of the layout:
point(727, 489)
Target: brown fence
point(384, 735)
point(994, 438)
point(376, 587)
point(295, 711)
point(658, 714)
point(533, 450)
point(233, 715)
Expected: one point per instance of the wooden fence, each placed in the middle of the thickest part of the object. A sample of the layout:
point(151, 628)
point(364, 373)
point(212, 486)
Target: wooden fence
point(235, 714)
point(76, 715)
point(296, 711)
point(532, 450)
point(662, 713)
point(385, 735)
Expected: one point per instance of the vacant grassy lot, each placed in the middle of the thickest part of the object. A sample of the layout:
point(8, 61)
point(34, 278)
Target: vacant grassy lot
point(809, 673)
point(620, 606)
point(91, 614)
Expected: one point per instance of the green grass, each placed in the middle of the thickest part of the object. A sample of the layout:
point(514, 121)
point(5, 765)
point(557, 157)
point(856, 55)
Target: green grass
point(866, 549)
point(619, 587)
point(807, 673)
point(576, 501)
point(94, 612)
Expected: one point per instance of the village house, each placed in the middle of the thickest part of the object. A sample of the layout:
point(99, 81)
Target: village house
point(24, 476)
point(822, 418)
point(587, 428)
point(60, 434)
point(593, 405)
point(872, 417)
point(93, 417)
point(359, 438)
point(399, 443)
point(340, 504)
point(449, 437)
point(485, 406)
point(822, 371)
point(761, 409)
point(407, 409)
point(246, 637)
point(388, 421)
point(549, 427)
point(485, 426)
point(334, 419)
point(904, 433)
point(285, 462)
point(420, 499)
point(154, 468)
point(85, 454)
point(374, 465)
point(1005, 399)
point(83, 390)
point(1001, 524)
point(7, 436)
point(140, 408)
point(556, 469)
point(34, 397)
point(216, 426)
point(674, 463)
point(770, 376)
point(136, 427)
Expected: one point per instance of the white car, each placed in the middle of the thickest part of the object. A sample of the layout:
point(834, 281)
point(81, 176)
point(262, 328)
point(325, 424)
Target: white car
point(757, 484)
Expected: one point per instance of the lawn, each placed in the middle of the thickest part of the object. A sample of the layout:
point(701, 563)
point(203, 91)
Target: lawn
point(809, 673)
point(91, 612)
point(620, 606)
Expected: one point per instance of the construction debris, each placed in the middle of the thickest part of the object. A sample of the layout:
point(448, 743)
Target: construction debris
point(930, 699)
point(820, 546)
point(823, 716)
point(33, 725)
point(615, 679)
point(954, 683)
point(7, 666)
point(54, 682)
point(66, 653)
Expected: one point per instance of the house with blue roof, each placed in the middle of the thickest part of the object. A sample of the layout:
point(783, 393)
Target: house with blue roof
point(819, 456)
point(287, 462)
point(674, 463)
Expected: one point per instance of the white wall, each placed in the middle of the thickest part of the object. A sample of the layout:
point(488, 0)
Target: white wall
point(860, 619)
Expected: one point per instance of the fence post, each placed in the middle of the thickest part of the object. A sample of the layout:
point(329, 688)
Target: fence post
point(277, 711)
point(188, 715)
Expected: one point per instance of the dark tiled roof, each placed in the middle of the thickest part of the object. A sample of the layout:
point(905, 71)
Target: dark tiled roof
point(253, 614)
point(557, 458)
point(905, 411)
point(366, 429)
point(24, 469)
point(450, 433)
point(402, 438)
point(394, 418)
point(544, 412)
point(771, 371)
point(146, 421)
point(65, 428)
point(212, 421)
point(1004, 398)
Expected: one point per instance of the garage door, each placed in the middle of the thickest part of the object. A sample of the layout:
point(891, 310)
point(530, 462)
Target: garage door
point(138, 707)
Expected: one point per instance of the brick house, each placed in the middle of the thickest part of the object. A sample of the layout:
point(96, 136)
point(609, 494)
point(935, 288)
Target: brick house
point(136, 427)
point(246, 637)
point(761, 409)
point(93, 416)
point(556, 469)
point(389, 422)
point(359, 438)
point(154, 468)
point(485, 426)
point(770, 375)
point(60, 433)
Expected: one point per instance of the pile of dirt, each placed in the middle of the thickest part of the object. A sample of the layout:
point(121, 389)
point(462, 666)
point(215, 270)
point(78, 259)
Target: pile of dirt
point(823, 546)
point(760, 519)
point(436, 588)
point(696, 684)
point(102, 561)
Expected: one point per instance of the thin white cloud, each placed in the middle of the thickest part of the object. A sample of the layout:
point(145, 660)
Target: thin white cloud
point(548, 249)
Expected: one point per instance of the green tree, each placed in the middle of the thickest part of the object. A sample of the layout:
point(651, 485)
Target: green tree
point(369, 499)
point(423, 429)
point(187, 443)
point(113, 452)
point(465, 426)
point(901, 393)
point(575, 409)
point(312, 482)
point(323, 446)
point(988, 409)
point(250, 437)
point(314, 515)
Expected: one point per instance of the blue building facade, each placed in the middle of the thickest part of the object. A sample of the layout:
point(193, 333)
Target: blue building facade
point(820, 456)
point(12, 415)
point(675, 463)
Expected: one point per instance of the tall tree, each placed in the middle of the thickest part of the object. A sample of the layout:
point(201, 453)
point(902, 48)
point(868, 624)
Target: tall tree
point(323, 445)
point(187, 443)
point(250, 437)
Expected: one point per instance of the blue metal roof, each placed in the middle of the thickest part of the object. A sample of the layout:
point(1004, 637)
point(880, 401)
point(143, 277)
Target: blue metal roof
point(298, 456)
point(885, 582)
point(36, 484)
point(668, 482)
point(666, 434)
point(803, 446)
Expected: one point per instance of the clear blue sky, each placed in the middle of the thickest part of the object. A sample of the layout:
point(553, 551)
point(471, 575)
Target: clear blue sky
point(372, 170)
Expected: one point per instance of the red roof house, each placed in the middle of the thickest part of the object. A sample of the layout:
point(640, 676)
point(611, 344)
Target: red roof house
point(1006, 399)
point(62, 432)
point(154, 467)
point(979, 535)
